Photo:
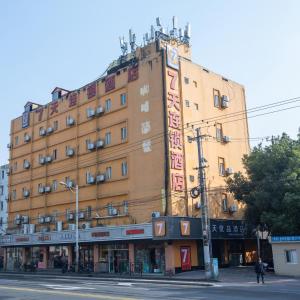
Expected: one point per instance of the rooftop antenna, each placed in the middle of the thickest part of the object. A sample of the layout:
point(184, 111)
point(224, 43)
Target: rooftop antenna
point(152, 34)
point(180, 34)
point(147, 37)
point(188, 30)
point(131, 40)
point(123, 46)
point(158, 23)
point(174, 30)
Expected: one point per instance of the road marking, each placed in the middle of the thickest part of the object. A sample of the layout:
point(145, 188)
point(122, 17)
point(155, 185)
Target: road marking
point(66, 287)
point(84, 296)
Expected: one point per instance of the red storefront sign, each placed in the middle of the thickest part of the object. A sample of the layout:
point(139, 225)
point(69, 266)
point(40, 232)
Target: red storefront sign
point(100, 234)
point(185, 255)
point(135, 231)
point(109, 83)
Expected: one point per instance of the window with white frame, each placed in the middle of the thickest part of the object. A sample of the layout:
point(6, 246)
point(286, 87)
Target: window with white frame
point(107, 138)
point(224, 203)
point(123, 99)
point(123, 133)
point(291, 256)
point(108, 173)
point(124, 168)
point(108, 105)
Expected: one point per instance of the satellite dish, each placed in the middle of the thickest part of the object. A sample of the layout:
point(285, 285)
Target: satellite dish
point(195, 192)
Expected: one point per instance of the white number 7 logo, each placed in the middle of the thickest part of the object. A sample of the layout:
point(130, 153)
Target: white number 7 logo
point(184, 255)
point(159, 227)
point(185, 228)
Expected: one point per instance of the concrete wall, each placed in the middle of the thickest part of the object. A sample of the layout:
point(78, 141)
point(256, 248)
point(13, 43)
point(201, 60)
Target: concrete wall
point(280, 264)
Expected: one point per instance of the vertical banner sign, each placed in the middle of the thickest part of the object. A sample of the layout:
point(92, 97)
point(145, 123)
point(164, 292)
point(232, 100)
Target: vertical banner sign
point(159, 228)
point(185, 255)
point(176, 154)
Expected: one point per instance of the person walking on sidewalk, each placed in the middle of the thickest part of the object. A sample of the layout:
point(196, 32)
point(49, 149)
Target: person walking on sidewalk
point(260, 270)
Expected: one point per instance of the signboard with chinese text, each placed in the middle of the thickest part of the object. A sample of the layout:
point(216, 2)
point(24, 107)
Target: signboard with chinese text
point(227, 228)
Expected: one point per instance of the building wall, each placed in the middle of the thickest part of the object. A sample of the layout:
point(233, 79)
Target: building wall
point(3, 198)
point(279, 257)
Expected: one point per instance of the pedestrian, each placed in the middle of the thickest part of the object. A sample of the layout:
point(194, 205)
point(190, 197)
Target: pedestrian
point(260, 270)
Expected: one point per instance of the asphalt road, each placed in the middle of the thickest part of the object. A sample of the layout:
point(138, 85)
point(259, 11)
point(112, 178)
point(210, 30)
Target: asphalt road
point(34, 287)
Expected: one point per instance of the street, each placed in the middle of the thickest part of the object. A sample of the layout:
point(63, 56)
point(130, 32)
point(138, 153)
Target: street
point(36, 287)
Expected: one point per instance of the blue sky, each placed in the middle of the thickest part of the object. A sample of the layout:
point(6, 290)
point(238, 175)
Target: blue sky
point(68, 43)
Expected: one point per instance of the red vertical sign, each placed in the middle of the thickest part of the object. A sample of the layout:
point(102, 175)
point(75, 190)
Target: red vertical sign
point(185, 254)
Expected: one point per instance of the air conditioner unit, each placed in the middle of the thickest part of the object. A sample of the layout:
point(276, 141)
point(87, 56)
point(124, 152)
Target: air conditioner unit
point(42, 132)
point(100, 178)
point(47, 189)
point(48, 219)
point(81, 215)
point(229, 171)
point(25, 219)
point(224, 101)
point(155, 214)
point(42, 160)
point(8, 172)
point(41, 189)
point(90, 113)
point(70, 121)
point(90, 179)
point(100, 144)
point(233, 208)
point(72, 226)
point(86, 225)
point(26, 164)
point(41, 220)
point(113, 211)
point(226, 139)
point(99, 110)
point(50, 130)
point(27, 138)
point(26, 193)
point(48, 159)
point(70, 184)
point(198, 205)
point(70, 216)
point(59, 226)
point(70, 152)
point(91, 146)
point(9, 146)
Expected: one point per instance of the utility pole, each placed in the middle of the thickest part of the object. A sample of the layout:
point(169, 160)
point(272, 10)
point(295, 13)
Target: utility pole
point(204, 207)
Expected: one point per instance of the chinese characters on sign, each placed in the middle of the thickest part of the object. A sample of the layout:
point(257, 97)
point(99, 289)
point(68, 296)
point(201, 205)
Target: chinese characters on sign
point(227, 228)
point(175, 132)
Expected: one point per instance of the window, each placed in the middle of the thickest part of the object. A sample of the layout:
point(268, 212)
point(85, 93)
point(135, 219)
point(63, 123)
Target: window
point(15, 166)
point(196, 106)
point(108, 173)
point(124, 168)
point(192, 178)
point(1, 189)
point(123, 133)
point(107, 138)
point(55, 125)
point(54, 155)
point(123, 99)
point(221, 163)
point(16, 140)
point(217, 98)
point(186, 80)
point(187, 103)
point(219, 132)
point(224, 202)
point(54, 185)
point(291, 256)
point(14, 194)
point(195, 83)
point(107, 105)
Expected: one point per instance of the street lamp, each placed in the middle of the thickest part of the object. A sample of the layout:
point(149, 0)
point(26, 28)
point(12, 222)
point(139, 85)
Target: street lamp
point(76, 220)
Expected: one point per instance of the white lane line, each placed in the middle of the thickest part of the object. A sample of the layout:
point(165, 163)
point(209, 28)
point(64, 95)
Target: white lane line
point(66, 287)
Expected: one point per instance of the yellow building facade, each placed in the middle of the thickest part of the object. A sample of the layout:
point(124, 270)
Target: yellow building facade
point(126, 140)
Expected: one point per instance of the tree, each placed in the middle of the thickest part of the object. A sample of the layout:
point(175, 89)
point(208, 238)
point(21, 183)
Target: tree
point(271, 186)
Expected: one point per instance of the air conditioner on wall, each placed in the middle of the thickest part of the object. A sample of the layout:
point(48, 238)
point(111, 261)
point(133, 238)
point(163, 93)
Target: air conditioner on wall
point(100, 144)
point(70, 216)
point(9, 146)
point(86, 225)
point(90, 179)
point(70, 121)
point(48, 219)
point(100, 178)
point(48, 159)
point(26, 164)
point(91, 146)
point(90, 112)
point(27, 138)
point(155, 214)
point(41, 220)
point(50, 130)
point(226, 139)
point(42, 132)
point(233, 208)
point(41, 189)
point(224, 101)
point(229, 171)
point(47, 189)
point(99, 110)
point(42, 160)
point(81, 215)
point(70, 152)
point(26, 193)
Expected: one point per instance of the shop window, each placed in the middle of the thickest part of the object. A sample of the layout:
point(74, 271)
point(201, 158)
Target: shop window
point(291, 256)
point(108, 105)
point(221, 163)
point(123, 99)
point(219, 132)
point(217, 98)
